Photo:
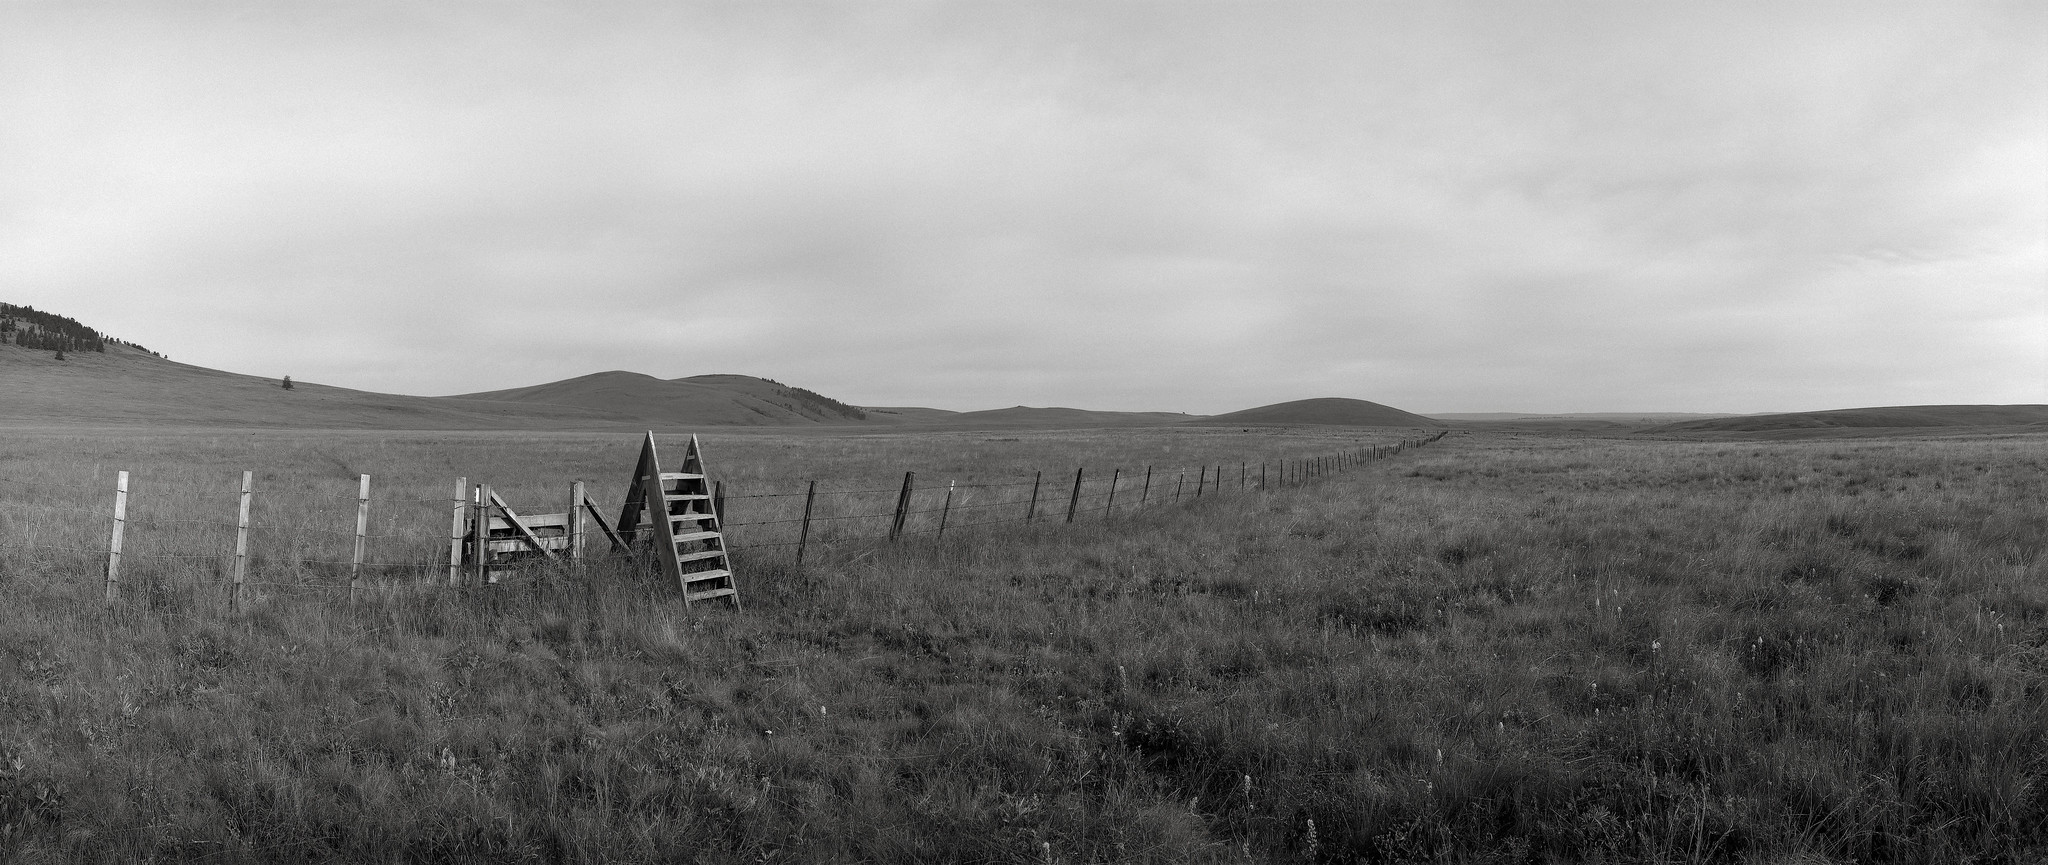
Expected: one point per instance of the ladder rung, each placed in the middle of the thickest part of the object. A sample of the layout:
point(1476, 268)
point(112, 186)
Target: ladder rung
point(681, 476)
point(677, 518)
point(693, 597)
point(701, 576)
point(686, 497)
point(699, 556)
point(696, 536)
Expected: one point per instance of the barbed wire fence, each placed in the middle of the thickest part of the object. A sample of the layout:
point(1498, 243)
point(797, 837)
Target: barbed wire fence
point(157, 541)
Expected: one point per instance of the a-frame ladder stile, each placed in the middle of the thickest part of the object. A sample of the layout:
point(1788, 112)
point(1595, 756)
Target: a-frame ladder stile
point(683, 528)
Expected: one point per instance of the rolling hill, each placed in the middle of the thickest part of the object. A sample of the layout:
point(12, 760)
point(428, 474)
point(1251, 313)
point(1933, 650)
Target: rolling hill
point(718, 400)
point(125, 385)
point(55, 371)
point(1322, 411)
point(1881, 417)
point(1027, 416)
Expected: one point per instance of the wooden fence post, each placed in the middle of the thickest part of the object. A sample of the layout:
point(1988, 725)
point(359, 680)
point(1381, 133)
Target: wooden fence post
point(1179, 482)
point(455, 532)
point(902, 506)
point(1241, 472)
point(482, 538)
point(1146, 493)
point(241, 543)
point(355, 568)
point(946, 510)
point(1200, 479)
point(1074, 501)
point(803, 535)
point(575, 523)
point(718, 501)
point(114, 546)
point(1032, 513)
point(1110, 509)
point(1262, 476)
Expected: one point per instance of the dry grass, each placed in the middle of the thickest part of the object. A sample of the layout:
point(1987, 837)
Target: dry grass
point(1495, 649)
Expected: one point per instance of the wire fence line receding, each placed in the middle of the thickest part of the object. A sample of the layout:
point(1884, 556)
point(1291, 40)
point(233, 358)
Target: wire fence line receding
point(318, 540)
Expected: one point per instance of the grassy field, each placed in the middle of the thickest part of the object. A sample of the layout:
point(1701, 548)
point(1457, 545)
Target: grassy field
point(1498, 648)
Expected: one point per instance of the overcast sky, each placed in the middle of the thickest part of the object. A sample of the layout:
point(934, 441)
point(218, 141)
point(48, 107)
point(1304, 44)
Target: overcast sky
point(1502, 206)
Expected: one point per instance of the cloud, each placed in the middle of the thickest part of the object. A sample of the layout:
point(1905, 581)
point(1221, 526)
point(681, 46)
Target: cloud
point(1439, 206)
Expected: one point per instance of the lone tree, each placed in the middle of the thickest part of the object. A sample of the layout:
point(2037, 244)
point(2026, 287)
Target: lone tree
point(60, 354)
point(287, 382)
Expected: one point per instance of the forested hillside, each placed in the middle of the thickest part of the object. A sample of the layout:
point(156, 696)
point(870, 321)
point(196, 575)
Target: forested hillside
point(32, 328)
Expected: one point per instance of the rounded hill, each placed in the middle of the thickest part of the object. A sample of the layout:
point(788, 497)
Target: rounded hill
point(1323, 411)
point(1881, 417)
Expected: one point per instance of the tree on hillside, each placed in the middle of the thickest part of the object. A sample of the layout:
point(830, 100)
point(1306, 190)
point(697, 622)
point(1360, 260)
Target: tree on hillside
point(60, 354)
point(287, 382)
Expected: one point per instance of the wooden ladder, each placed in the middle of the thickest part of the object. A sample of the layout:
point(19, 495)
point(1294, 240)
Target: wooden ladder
point(684, 531)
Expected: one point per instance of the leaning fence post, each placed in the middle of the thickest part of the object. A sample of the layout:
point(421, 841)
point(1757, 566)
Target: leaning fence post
point(241, 543)
point(803, 535)
point(355, 568)
point(114, 546)
point(1179, 482)
point(575, 523)
point(1074, 501)
point(946, 510)
point(1036, 478)
point(1109, 510)
point(902, 506)
point(455, 532)
point(1201, 478)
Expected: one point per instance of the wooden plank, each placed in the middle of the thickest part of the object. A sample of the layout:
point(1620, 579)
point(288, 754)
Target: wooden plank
point(553, 522)
point(699, 556)
point(114, 545)
point(456, 532)
point(480, 539)
point(692, 597)
point(694, 536)
point(618, 543)
point(701, 576)
point(524, 532)
point(515, 545)
point(241, 542)
point(355, 568)
point(575, 517)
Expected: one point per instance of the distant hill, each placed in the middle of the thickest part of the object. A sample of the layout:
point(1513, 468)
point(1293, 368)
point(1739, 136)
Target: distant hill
point(1027, 416)
point(33, 329)
point(1323, 411)
point(127, 385)
point(907, 414)
point(719, 400)
point(1616, 416)
point(1894, 417)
